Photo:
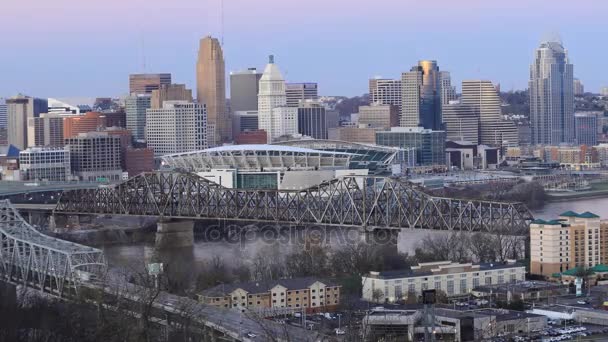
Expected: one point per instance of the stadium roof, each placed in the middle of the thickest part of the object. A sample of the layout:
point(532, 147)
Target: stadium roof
point(259, 158)
point(260, 148)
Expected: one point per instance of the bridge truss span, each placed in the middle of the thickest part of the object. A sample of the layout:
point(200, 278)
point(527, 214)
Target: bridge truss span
point(354, 201)
point(42, 262)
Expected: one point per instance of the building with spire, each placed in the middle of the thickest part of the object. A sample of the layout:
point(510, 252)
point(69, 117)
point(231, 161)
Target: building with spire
point(551, 95)
point(274, 117)
point(211, 87)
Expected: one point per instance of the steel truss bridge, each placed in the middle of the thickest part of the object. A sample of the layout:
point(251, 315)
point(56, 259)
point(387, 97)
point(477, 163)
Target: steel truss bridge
point(38, 261)
point(355, 201)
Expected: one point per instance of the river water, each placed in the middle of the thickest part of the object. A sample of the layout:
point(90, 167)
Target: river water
point(192, 260)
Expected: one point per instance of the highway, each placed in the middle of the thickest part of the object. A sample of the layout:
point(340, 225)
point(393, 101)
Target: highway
point(230, 322)
point(9, 188)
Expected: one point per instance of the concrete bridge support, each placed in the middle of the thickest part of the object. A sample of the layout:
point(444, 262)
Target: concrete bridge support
point(174, 233)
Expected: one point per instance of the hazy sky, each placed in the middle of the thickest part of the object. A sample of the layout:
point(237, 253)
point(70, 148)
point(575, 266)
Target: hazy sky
point(80, 48)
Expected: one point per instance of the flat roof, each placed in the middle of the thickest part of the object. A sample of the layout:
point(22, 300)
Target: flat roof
point(408, 273)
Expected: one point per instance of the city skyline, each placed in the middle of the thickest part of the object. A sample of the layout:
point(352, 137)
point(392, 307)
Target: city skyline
point(477, 28)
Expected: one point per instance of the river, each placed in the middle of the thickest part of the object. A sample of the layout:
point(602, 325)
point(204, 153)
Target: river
point(192, 260)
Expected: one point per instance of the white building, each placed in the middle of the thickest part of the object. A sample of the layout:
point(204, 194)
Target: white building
point(272, 95)
point(180, 126)
point(454, 279)
point(284, 122)
point(264, 166)
point(50, 164)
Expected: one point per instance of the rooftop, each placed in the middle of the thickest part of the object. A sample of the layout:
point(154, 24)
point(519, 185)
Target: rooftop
point(425, 269)
point(259, 148)
point(586, 214)
point(265, 286)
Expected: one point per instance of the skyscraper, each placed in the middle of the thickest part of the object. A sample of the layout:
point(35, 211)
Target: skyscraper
point(297, 92)
point(244, 89)
point(211, 87)
point(461, 122)
point(482, 96)
point(272, 95)
point(19, 110)
point(312, 119)
point(385, 91)
point(586, 128)
point(145, 83)
point(3, 111)
point(448, 93)
point(179, 126)
point(3, 114)
point(136, 106)
point(579, 87)
point(551, 95)
point(421, 96)
point(46, 130)
point(170, 92)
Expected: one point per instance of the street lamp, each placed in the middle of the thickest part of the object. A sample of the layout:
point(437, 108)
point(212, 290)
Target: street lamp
point(339, 320)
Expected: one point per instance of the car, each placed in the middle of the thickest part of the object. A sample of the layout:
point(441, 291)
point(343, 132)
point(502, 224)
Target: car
point(297, 314)
point(582, 302)
point(251, 335)
point(340, 332)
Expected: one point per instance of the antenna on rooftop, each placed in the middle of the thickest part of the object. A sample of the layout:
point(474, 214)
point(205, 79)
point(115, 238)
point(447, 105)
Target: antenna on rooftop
point(222, 22)
point(143, 53)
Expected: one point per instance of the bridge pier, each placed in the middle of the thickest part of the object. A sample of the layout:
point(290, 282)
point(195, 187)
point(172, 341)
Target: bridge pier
point(174, 233)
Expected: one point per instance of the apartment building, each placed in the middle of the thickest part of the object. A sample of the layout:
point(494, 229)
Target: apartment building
point(573, 240)
point(455, 279)
point(298, 294)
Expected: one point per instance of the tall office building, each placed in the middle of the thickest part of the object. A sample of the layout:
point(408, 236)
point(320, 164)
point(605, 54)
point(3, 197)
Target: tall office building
point(211, 87)
point(95, 156)
point(179, 126)
point(604, 91)
point(586, 128)
point(244, 89)
point(170, 92)
point(296, 92)
point(461, 122)
point(90, 122)
point(379, 116)
point(19, 110)
point(45, 130)
point(312, 119)
point(482, 96)
point(579, 87)
point(448, 93)
point(385, 91)
point(3, 113)
point(146, 83)
point(551, 95)
point(272, 95)
point(421, 96)
point(429, 145)
point(136, 106)
point(244, 121)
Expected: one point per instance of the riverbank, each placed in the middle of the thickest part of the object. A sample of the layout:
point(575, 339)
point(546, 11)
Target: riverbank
point(598, 190)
